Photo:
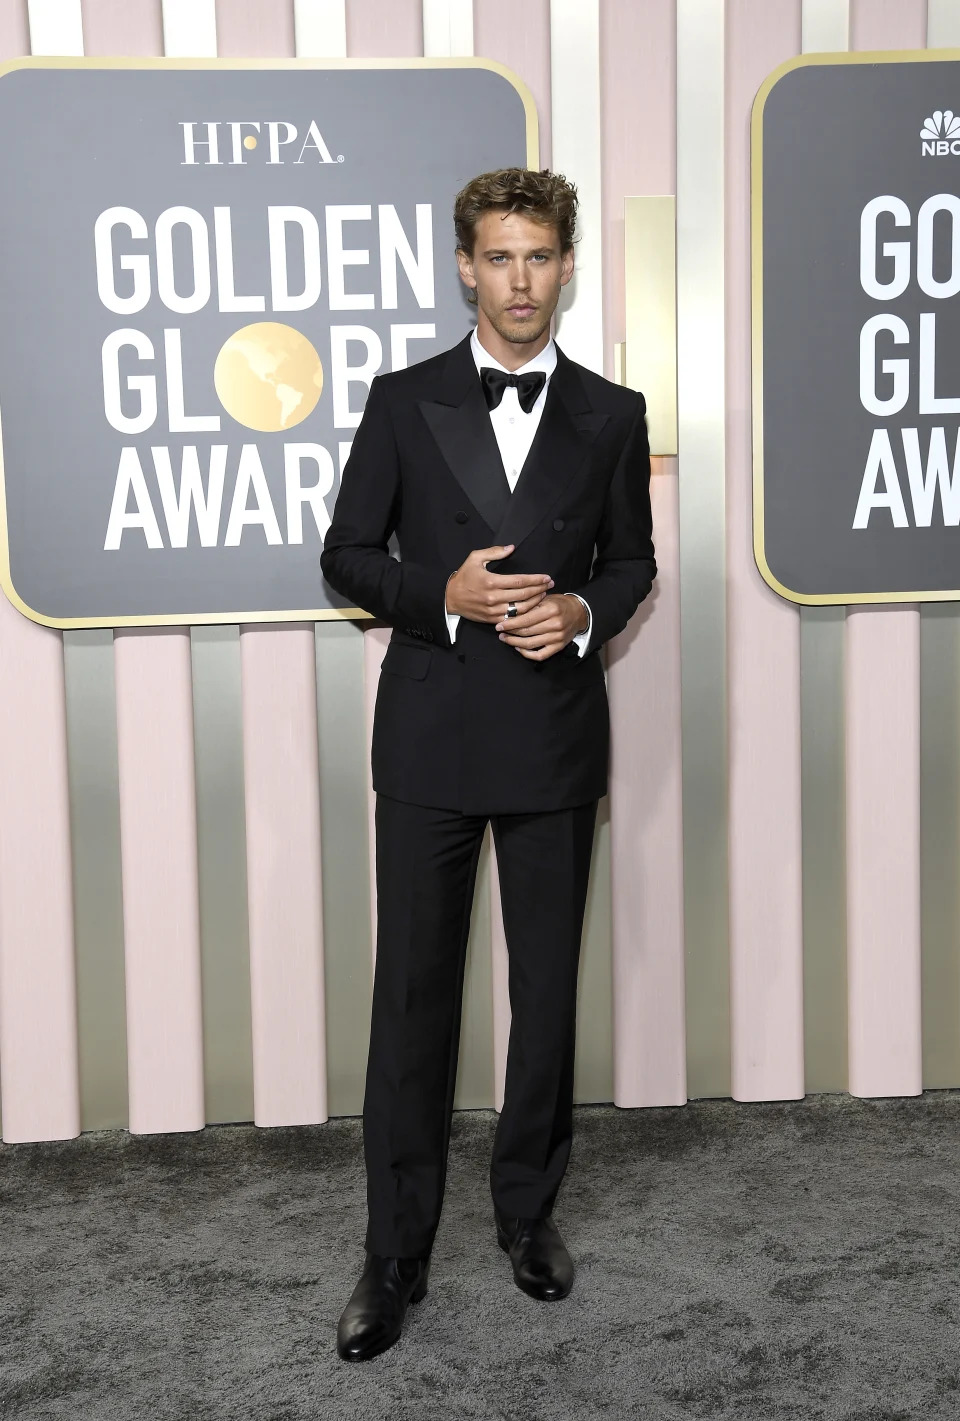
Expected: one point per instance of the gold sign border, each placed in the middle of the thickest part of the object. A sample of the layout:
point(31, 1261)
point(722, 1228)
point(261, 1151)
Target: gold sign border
point(884, 56)
point(181, 619)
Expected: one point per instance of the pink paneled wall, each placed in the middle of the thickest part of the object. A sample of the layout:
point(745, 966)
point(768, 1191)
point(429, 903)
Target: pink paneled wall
point(283, 873)
point(248, 28)
point(161, 908)
point(384, 31)
point(638, 99)
point(284, 812)
point(763, 648)
point(638, 130)
point(14, 31)
point(883, 772)
point(519, 37)
point(39, 1087)
point(122, 27)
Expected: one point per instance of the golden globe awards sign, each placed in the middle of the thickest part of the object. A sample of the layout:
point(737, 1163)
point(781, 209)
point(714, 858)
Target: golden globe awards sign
point(856, 252)
point(202, 268)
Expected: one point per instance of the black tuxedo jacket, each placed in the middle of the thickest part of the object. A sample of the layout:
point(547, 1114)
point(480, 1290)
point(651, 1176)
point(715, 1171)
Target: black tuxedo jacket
point(474, 726)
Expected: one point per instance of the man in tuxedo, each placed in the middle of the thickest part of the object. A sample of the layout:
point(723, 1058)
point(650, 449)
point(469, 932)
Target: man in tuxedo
point(517, 483)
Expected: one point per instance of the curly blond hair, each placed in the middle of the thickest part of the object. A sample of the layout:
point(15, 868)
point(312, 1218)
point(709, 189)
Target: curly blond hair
point(544, 196)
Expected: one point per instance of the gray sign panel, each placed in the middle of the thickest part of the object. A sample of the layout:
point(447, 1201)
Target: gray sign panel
point(202, 267)
point(856, 250)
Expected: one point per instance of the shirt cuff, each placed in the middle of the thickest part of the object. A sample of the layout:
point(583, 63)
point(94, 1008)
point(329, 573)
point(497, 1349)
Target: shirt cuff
point(453, 621)
point(582, 639)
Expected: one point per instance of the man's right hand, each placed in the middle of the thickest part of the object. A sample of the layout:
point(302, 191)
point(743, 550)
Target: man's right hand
point(482, 596)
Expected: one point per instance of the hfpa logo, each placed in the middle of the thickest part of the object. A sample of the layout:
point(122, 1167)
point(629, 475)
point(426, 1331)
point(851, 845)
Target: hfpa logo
point(213, 144)
point(940, 134)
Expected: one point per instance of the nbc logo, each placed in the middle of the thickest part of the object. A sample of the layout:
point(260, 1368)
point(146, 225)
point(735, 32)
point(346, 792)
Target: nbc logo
point(940, 134)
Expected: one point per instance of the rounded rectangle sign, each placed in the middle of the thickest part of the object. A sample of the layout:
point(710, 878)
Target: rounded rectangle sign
point(856, 327)
point(203, 265)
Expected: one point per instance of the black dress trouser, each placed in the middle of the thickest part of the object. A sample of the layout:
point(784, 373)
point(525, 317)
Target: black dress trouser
point(426, 871)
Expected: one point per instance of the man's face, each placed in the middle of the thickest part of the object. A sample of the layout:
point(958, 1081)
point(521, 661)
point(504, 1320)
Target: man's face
point(517, 270)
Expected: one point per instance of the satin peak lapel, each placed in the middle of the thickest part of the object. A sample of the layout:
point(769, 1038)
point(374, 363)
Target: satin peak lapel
point(460, 424)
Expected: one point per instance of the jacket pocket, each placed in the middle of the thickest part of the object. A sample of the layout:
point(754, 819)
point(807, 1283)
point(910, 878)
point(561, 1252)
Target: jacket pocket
point(410, 661)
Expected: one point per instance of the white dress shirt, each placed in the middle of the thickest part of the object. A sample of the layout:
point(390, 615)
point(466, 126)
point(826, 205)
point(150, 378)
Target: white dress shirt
point(514, 430)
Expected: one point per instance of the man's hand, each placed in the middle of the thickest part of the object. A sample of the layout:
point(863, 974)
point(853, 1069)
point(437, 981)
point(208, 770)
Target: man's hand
point(483, 596)
point(547, 629)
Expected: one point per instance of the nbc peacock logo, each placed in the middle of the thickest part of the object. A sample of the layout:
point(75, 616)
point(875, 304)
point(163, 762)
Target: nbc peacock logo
point(940, 134)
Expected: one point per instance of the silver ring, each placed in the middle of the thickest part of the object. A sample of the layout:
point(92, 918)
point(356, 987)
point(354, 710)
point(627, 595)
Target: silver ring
point(511, 609)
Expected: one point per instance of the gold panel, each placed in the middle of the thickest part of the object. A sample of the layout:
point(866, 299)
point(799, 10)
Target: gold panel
point(650, 254)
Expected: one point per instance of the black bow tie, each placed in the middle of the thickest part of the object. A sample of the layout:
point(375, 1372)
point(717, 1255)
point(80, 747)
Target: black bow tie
point(527, 386)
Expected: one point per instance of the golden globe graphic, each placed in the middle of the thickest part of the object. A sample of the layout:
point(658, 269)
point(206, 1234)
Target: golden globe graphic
point(268, 376)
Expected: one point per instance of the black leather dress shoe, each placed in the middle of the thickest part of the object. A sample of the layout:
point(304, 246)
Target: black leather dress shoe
point(373, 1318)
point(542, 1266)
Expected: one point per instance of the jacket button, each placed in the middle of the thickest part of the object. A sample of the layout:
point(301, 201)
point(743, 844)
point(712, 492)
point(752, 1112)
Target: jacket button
point(427, 635)
point(558, 525)
point(462, 517)
point(461, 658)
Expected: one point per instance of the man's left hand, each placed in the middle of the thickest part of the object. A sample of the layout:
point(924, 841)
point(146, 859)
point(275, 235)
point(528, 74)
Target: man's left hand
point(546, 629)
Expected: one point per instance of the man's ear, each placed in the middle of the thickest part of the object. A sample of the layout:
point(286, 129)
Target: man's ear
point(566, 266)
point(465, 263)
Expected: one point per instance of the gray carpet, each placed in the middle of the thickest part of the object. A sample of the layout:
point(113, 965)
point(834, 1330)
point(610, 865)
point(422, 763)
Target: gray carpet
point(743, 1261)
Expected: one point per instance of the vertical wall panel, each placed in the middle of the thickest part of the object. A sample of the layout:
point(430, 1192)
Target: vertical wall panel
point(254, 28)
point(822, 717)
point(378, 32)
point(189, 29)
point(161, 914)
point(38, 1026)
point(320, 27)
point(222, 873)
point(14, 30)
point(763, 649)
point(943, 24)
point(638, 97)
point(519, 37)
point(575, 126)
point(638, 104)
point(344, 774)
point(39, 1087)
point(56, 27)
point(283, 872)
point(940, 779)
point(940, 842)
point(122, 27)
point(883, 859)
point(447, 28)
point(91, 714)
point(701, 405)
point(888, 24)
point(647, 832)
point(825, 26)
point(575, 122)
point(883, 774)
